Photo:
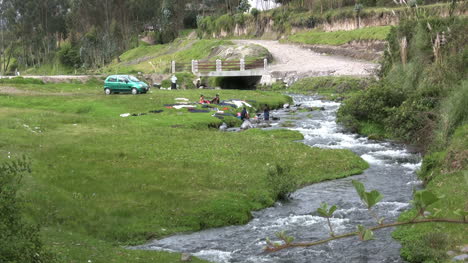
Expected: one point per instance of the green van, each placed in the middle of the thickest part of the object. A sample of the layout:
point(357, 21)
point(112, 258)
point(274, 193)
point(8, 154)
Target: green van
point(124, 84)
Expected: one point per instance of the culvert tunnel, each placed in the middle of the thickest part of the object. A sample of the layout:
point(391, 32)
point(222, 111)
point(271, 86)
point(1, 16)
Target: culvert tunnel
point(242, 83)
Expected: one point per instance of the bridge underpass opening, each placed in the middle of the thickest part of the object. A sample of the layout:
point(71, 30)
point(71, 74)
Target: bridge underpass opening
point(243, 83)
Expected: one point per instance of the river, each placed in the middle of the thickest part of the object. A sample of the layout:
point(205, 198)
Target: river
point(392, 172)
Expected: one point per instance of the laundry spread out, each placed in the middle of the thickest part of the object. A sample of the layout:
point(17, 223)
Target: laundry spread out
point(178, 107)
point(182, 99)
point(197, 111)
point(124, 115)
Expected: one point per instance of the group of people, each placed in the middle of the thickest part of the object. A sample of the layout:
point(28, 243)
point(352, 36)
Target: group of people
point(215, 100)
point(244, 115)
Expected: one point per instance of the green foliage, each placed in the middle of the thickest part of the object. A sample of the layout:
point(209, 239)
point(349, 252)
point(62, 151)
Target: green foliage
point(324, 211)
point(255, 12)
point(283, 236)
point(281, 181)
point(429, 247)
point(368, 198)
point(69, 55)
point(364, 233)
point(413, 103)
point(19, 241)
point(423, 199)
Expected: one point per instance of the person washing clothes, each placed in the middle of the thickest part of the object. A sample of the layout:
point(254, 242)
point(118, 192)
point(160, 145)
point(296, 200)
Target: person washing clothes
point(266, 113)
point(244, 114)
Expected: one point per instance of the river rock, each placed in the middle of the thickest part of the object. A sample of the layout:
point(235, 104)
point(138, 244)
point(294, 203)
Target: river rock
point(223, 127)
point(246, 125)
point(464, 248)
point(451, 253)
point(460, 257)
point(186, 257)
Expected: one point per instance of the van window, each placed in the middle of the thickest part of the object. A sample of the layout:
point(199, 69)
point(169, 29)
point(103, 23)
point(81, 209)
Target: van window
point(122, 79)
point(112, 80)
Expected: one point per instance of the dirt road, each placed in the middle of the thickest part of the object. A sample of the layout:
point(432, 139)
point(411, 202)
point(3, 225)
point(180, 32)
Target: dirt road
point(293, 62)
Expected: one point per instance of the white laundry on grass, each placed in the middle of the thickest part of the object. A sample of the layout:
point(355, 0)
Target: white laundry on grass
point(178, 107)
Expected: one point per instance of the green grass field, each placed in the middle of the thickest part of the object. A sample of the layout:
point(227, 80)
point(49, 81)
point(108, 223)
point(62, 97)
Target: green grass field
point(337, 38)
point(101, 181)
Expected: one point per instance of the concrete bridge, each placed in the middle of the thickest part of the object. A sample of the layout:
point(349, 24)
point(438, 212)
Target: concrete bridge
point(223, 68)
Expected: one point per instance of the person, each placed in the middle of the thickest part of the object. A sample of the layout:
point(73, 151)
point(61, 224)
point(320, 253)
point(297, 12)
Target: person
point(202, 100)
point(244, 114)
point(266, 113)
point(174, 82)
point(215, 100)
point(198, 83)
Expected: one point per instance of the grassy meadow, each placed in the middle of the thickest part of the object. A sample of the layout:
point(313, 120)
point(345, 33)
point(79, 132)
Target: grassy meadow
point(101, 181)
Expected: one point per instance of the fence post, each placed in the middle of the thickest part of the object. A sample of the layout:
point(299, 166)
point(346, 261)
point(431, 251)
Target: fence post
point(193, 66)
point(265, 64)
point(196, 65)
point(219, 66)
point(242, 64)
point(173, 67)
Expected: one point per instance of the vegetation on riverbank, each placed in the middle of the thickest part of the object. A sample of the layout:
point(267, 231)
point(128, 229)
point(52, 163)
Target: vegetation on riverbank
point(100, 180)
point(425, 106)
point(332, 88)
point(336, 38)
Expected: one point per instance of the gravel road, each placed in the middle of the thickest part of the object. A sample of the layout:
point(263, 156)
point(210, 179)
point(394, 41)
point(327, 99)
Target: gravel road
point(293, 62)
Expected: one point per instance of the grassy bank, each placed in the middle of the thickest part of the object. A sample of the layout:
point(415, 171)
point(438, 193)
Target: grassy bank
point(332, 88)
point(100, 180)
point(425, 106)
point(337, 38)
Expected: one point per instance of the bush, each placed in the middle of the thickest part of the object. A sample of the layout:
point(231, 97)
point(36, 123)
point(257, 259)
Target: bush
point(69, 55)
point(255, 12)
point(19, 241)
point(281, 181)
point(430, 247)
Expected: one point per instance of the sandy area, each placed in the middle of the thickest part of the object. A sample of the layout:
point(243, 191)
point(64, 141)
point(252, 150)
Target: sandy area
point(292, 60)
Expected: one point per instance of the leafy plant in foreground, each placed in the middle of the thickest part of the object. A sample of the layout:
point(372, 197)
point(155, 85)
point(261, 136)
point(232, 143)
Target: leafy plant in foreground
point(326, 212)
point(370, 199)
point(422, 199)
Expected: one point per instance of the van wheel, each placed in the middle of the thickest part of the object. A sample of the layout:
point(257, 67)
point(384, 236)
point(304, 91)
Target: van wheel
point(108, 91)
point(134, 91)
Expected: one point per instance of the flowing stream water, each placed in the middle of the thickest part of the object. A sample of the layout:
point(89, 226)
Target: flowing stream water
point(392, 172)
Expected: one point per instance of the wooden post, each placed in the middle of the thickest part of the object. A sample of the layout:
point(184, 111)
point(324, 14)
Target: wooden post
point(242, 64)
point(173, 67)
point(219, 66)
point(265, 64)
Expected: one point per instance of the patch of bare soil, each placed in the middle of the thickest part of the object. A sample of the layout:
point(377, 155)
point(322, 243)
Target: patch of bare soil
point(16, 91)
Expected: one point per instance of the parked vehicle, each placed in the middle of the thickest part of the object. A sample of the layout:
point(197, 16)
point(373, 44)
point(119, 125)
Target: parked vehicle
point(124, 84)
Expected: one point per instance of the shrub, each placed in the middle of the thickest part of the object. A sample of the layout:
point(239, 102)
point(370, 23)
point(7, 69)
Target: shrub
point(282, 181)
point(255, 12)
point(69, 55)
point(19, 241)
point(429, 248)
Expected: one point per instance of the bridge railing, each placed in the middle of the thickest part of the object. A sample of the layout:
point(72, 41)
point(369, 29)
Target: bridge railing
point(204, 66)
